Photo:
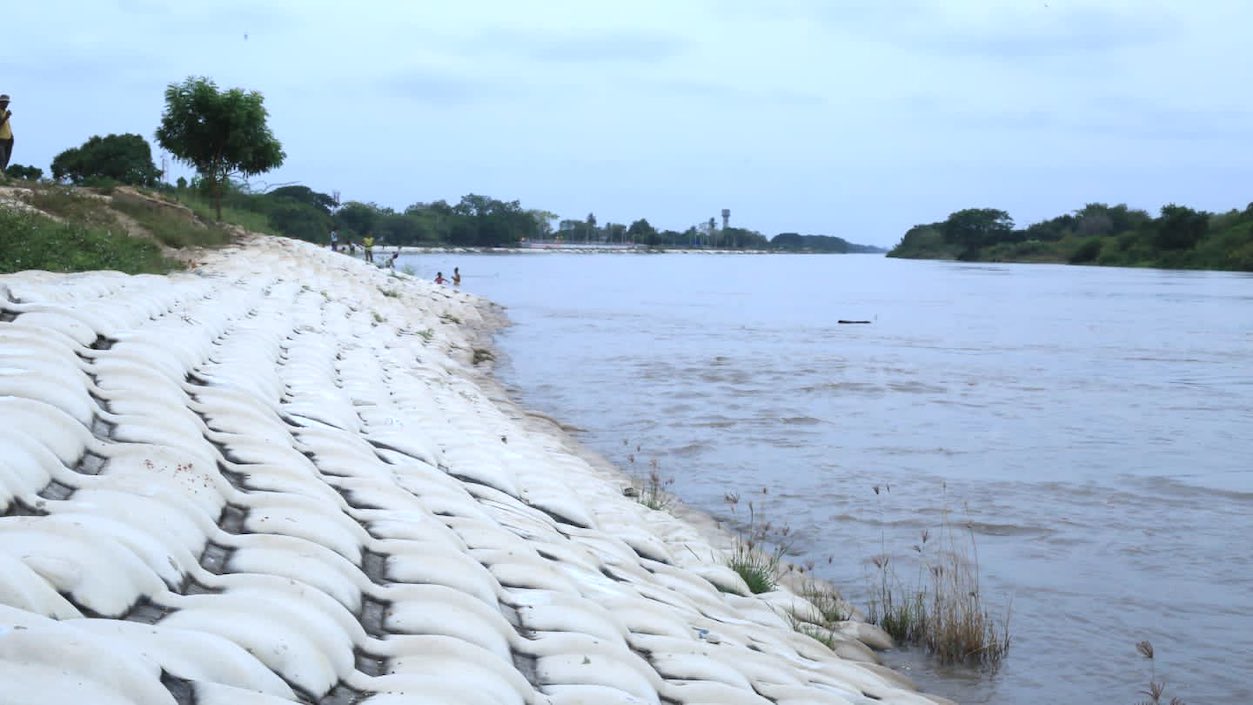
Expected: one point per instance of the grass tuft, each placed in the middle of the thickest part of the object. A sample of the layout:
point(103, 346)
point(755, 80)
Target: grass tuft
point(758, 548)
point(943, 609)
point(1156, 689)
point(649, 490)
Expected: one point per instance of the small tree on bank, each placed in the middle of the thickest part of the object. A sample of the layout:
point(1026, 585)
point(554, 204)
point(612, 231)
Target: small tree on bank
point(126, 159)
point(219, 133)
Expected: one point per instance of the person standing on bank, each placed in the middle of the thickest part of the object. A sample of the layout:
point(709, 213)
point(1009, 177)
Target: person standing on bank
point(6, 133)
point(367, 243)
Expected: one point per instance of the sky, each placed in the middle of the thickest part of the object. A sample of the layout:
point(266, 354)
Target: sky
point(854, 118)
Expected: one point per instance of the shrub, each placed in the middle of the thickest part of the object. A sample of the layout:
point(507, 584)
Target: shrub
point(29, 173)
point(1088, 251)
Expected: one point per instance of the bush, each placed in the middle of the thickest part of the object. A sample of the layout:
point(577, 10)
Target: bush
point(1088, 251)
point(125, 159)
point(29, 173)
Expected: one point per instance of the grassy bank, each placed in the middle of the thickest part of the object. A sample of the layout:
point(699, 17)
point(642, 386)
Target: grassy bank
point(59, 229)
point(31, 241)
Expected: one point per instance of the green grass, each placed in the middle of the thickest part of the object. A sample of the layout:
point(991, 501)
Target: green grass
point(758, 547)
point(168, 226)
point(30, 241)
point(74, 205)
point(246, 219)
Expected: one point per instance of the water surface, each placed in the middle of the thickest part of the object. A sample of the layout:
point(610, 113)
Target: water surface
point(1090, 424)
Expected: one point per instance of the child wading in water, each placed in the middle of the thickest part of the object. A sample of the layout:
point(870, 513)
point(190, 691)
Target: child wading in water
point(456, 276)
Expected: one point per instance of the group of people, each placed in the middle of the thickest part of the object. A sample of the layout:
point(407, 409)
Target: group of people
point(367, 247)
point(456, 277)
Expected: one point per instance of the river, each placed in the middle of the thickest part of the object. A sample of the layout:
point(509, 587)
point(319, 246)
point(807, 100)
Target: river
point(1093, 427)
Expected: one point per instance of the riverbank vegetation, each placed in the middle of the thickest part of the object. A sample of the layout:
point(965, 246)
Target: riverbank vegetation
point(942, 609)
point(224, 136)
point(1177, 238)
point(32, 241)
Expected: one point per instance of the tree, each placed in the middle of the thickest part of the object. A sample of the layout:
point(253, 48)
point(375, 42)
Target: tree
point(305, 195)
point(973, 228)
point(219, 133)
point(641, 230)
point(125, 158)
point(1180, 227)
point(358, 218)
point(543, 221)
point(30, 173)
point(297, 219)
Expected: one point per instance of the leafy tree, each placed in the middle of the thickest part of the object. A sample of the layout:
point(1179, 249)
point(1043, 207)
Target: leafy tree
point(125, 158)
point(543, 221)
point(973, 228)
point(811, 243)
point(1180, 227)
point(401, 229)
point(219, 133)
point(358, 218)
point(742, 238)
point(589, 228)
point(296, 219)
point(487, 222)
point(641, 231)
point(305, 195)
point(30, 173)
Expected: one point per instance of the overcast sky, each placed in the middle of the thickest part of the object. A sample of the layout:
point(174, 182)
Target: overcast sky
point(857, 118)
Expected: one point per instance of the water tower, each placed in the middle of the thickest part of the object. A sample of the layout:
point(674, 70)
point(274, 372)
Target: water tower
point(726, 217)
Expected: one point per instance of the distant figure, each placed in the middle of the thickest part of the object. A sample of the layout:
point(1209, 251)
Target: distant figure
point(6, 133)
point(368, 244)
point(334, 240)
point(352, 248)
point(439, 277)
point(391, 261)
point(456, 276)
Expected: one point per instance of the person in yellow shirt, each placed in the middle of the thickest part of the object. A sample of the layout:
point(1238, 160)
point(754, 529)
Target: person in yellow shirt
point(367, 243)
point(6, 133)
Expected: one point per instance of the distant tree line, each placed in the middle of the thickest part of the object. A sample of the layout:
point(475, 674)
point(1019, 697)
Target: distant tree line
point(474, 221)
point(224, 135)
point(1178, 238)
